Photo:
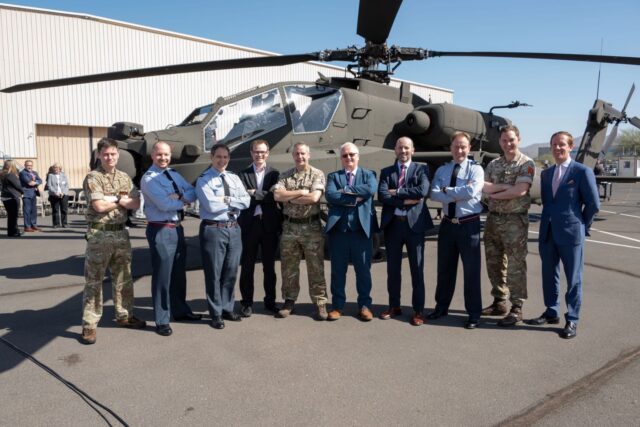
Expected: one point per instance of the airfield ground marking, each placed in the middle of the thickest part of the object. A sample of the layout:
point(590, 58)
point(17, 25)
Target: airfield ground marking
point(606, 243)
point(611, 212)
point(631, 216)
point(616, 235)
point(621, 214)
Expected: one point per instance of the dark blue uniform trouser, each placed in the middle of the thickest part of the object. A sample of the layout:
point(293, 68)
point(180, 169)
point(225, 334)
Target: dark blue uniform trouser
point(169, 278)
point(356, 247)
point(459, 240)
point(30, 212)
point(221, 249)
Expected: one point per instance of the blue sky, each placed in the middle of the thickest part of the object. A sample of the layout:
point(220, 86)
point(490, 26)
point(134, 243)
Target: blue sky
point(561, 92)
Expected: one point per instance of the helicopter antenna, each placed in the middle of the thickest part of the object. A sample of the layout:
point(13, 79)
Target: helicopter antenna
point(599, 69)
point(514, 104)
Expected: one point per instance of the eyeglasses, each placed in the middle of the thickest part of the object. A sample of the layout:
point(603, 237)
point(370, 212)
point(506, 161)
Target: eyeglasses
point(260, 153)
point(345, 155)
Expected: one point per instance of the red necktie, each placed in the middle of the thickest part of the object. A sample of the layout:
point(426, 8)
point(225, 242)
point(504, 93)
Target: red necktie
point(403, 172)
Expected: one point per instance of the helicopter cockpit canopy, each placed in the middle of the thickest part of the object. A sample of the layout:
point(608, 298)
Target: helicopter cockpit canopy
point(311, 109)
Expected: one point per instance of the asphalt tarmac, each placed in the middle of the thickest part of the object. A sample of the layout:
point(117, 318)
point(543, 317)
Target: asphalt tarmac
point(296, 371)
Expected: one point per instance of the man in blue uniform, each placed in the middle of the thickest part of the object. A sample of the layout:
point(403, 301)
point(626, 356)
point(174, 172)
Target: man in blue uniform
point(30, 181)
point(458, 185)
point(222, 196)
point(166, 193)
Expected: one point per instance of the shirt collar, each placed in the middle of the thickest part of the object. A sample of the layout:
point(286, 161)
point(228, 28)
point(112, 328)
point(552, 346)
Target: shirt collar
point(352, 172)
point(256, 170)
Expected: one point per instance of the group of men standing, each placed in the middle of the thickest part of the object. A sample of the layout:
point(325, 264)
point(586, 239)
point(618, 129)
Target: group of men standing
point(260, 207)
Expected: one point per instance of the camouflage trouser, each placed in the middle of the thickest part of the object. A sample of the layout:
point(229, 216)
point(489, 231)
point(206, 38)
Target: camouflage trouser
point(107, 249)
point(505, 245)
point(296, 240)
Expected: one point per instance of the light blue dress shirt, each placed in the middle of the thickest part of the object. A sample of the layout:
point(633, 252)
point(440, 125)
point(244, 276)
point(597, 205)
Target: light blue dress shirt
point(156, 189)
point(467, 192)
point(210, 193)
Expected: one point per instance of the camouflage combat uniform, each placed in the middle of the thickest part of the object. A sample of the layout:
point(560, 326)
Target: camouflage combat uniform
point(302, 233)
point(107, 246)
point(506, 231)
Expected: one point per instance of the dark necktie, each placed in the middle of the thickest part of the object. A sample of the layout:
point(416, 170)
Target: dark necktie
point(454, 177)
point(177, 191)
point(403, 173)
point(225, 185)
point(349, 178)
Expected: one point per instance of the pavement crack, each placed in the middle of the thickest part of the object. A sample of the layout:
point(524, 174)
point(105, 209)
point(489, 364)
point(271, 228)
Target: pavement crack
point(569, 394)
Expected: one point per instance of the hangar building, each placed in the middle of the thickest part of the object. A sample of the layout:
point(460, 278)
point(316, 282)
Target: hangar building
point(64, 124)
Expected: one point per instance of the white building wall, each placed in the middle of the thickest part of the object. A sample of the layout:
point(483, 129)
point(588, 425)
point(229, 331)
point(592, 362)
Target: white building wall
point(37, 44)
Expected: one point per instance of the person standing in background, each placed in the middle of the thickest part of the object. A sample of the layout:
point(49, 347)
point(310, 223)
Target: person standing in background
point(11, 194)
point(30, 181)
point(58, 187)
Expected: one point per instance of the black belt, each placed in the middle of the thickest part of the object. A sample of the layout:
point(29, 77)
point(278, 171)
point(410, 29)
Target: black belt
point(401, 217)
point(506, 213)
point(462, 219)
point(107, 227)
point(220, 224)
point(307, 220)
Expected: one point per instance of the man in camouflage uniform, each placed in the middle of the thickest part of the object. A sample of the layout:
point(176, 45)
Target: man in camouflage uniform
point(300, 189)
point(110, 193)
point(507, 183)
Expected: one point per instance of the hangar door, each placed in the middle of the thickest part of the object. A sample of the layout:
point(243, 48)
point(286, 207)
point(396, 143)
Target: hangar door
point(70, 146)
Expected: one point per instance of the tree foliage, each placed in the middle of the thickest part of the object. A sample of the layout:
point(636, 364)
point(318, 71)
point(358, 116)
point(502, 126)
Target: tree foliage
point(627, 143)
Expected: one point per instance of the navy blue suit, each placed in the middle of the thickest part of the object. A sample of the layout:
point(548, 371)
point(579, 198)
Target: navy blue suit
point(29, 205)
point(566, 218)
point(350, 226)
point(406, 230)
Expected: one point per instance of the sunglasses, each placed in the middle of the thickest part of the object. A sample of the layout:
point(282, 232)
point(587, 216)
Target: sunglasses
point(345, 155)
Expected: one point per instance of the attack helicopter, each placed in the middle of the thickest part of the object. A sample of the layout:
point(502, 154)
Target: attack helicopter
point(363, 109)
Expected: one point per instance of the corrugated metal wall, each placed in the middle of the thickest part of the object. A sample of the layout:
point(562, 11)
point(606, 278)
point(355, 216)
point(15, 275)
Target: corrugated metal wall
point(40, 45)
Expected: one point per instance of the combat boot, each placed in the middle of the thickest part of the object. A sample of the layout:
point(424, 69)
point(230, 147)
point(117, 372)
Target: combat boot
point(511, 319)
point(286, 309)
point(131, 323)
point(322, 312)
point(88, 336)
point(497, 308)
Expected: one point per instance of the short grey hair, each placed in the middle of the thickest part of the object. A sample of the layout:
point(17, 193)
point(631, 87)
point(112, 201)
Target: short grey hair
point(349, 144)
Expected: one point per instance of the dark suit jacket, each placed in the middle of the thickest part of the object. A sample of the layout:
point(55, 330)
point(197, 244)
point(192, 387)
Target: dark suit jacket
point(416, 187)
point(25, 179)
point(271, 213)
point(571, 211)
point(365, 186)
point(11, 187)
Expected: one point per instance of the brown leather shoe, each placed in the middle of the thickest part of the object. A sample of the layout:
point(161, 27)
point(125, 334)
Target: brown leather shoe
point(131, 323)
point(497, 308)
point(29, 230)
point(417, 319)
point(365, 314)
point(511, 319)
point(88, 336)
point(334, 314)
point(391, 312)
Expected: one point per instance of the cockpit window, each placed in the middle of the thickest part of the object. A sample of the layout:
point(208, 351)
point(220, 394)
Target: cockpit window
point(245, 119)
point(311, 107)
point(197, 115)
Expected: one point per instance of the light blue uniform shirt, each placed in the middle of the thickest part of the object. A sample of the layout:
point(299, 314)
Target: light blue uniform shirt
point(156, 189)
point(210, 193)
point(467, 192)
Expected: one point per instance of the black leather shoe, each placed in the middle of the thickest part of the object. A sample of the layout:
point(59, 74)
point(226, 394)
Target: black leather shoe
point(246, 311)
point(189, 317)
point(543, 320)
point(231, 316)
point(272, 308)
point(217, 322)
point(164, 330)
point(471, 323)
point(437, 313)
point(569, 331)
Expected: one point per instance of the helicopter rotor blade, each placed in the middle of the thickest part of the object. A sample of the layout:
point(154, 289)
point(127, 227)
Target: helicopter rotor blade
point(262, 61)
point(635, 121)
point(626, 60)
point(375, 19)
point(633, 88)
point(609, 142)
